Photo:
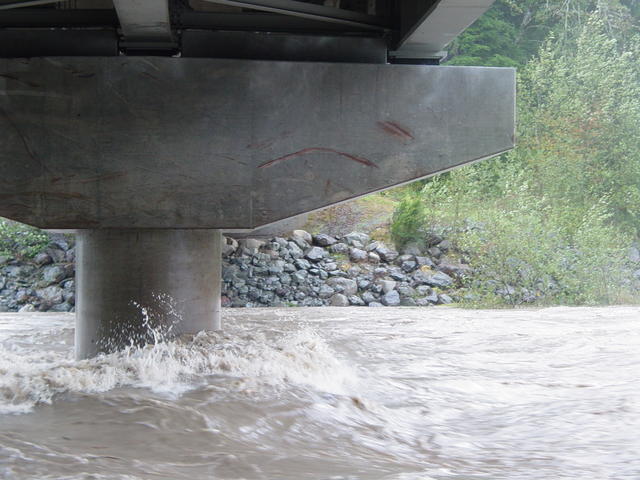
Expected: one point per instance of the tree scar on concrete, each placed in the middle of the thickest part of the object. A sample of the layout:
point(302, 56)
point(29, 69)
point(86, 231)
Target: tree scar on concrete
point(396, 130)
point(306, 151)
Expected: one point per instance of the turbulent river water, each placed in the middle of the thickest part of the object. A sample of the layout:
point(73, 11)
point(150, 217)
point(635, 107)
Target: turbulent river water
point(331, 393)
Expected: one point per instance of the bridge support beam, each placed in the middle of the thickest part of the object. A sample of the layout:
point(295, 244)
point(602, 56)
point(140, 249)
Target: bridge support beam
point(133, 281)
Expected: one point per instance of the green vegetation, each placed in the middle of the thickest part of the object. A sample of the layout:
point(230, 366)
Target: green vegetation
point(550, 222)
point(18, 240)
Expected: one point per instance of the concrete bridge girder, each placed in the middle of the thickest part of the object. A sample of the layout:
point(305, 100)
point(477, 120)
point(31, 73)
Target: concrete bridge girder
point(137, 142)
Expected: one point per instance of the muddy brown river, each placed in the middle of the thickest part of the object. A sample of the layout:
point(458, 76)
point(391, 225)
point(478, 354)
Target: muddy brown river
point(331, 393)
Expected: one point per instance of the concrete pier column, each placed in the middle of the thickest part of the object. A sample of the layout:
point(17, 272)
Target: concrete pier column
point(130, 280)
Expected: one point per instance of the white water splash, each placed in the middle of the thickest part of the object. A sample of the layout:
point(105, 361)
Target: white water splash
point(173, 367)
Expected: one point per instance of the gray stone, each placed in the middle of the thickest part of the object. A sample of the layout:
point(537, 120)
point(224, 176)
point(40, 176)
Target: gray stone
point(70, 255)
point(408, 266)
point(634, 254)
point(432, 298)
point(435, 252)
point(386, 254)
point(323, 240)
point(423, 302)
point(454, 269)
point(357, 239)
point(422, 261)
point(281, 241)
point(56, 253)
point(251, 244)
point(368, 297)
point(372, 246)
point(444, 299)
point(398, 275)
point(412, 248)
point(375, 304)
point(391, 299)
point(403, 258)
point(356, 300)
point(340, 248)
point(306, 236)
point(339, 300)
point(50, 295)
point(61, 307)
point(424, 290)
point(357, 255)
point(294, 250)
point(53, 274)
point(4, 259)
point(42, 259)
point(22, 295)
point(301, 242)
point(302, 264)
point(27, 308)
point(406, 291)
point(380, 271)
point(315, 254)
point(386, 285)
point(354, 271)
point(329, 266)
point(300, 276)
point(408, 302)
point(445, 246)
point(343, 285)
point(373, 257)
point(432, 239)
point(440, 279)
point(326, 291)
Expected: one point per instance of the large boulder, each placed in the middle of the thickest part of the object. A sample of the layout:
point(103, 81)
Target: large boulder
point(303, 234)
point(356, 300)
point(315, 254)
point(357, 255)
point(325, 291)
point(357, 239)
point(53, 274)
point(386, 285)
point(42, 259)
point(323, 240)
point(391, 299)
point(50, 296)
point(339, 248)
point(440, 279)
point(386, 254)
point(343, 285)
point(339, 300)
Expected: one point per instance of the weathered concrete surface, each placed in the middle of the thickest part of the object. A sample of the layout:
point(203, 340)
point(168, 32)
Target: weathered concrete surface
point(129, 280)
point(148, 142)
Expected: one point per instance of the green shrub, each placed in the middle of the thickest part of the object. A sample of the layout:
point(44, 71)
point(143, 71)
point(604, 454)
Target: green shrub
point(19, 240)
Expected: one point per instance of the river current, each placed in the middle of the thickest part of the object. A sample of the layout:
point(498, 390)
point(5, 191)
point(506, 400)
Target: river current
point(331, 393)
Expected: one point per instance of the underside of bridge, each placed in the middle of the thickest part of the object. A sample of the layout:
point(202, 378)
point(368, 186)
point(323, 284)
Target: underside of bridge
point(150, 126)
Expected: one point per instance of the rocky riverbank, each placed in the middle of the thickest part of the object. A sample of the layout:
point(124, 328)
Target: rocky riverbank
point(299, 270)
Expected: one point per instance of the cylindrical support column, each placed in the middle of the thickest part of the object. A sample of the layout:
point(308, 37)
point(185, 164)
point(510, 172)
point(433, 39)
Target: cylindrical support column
point(133, 284)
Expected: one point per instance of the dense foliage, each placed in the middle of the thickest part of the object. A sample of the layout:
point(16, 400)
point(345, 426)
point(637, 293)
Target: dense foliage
point(552, 221)
point(18, 240)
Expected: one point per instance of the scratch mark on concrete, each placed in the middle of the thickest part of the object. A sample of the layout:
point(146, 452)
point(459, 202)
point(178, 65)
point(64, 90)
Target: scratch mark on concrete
point(60, 195)
point(19, 80)
point(306, 151)
point(396, 130)
point(27, 147)
point(100, 178)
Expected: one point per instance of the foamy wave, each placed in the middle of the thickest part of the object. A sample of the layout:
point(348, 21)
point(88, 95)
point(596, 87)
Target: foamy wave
point(301, 358)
